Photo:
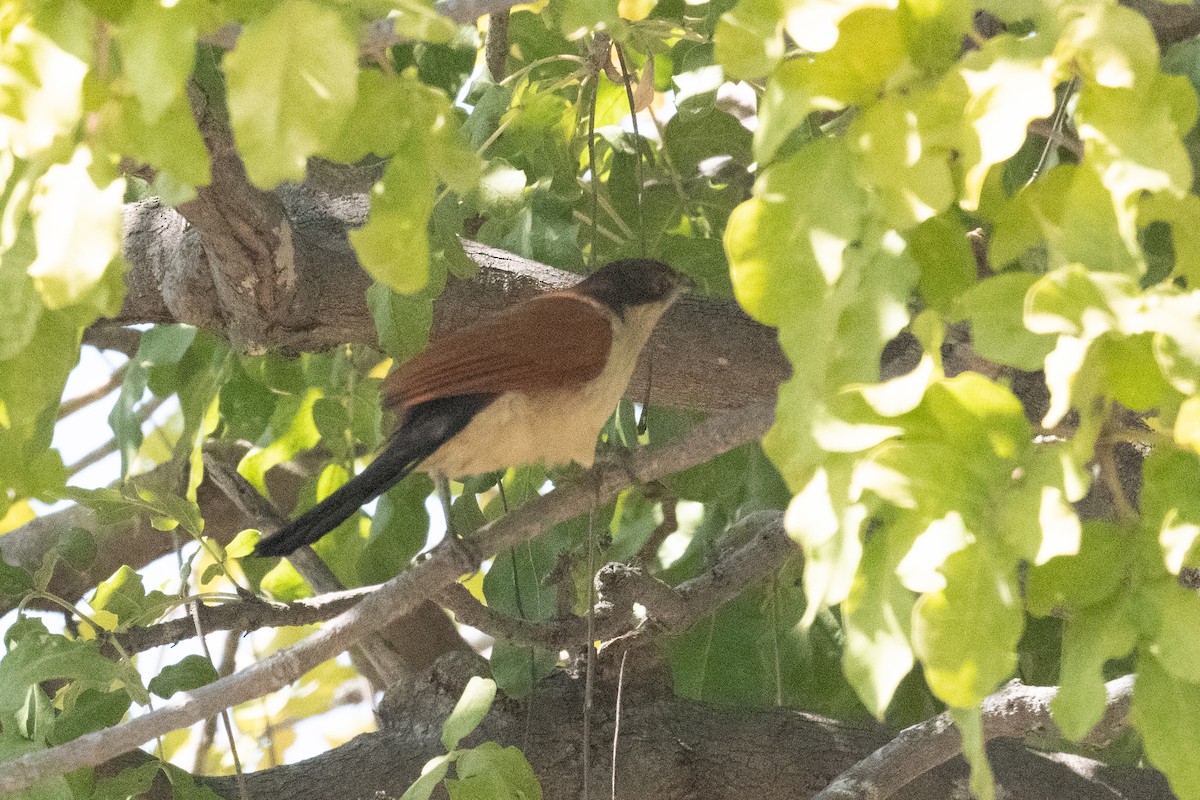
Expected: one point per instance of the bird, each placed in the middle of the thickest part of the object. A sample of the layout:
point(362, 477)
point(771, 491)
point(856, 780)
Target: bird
point(533, 383)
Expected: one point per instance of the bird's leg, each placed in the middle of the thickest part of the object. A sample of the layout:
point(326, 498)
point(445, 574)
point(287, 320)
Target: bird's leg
point(442, 485)
point(503, 496)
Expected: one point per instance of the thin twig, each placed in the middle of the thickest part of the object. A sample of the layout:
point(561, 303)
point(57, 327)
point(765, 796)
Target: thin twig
point(108, 448)
point(637, 147)
point(245, 615)
point(243, 793)
point(204, 746)
point(617, 725)
point(84, 400)
point(1060, 115)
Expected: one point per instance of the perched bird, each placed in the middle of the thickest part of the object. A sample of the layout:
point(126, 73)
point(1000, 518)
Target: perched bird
point(533, 383)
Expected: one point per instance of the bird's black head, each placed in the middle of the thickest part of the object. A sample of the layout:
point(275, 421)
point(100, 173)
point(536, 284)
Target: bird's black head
point(633, 282)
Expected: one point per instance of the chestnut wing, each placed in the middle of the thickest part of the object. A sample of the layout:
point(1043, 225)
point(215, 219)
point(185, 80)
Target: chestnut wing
point(551, 341)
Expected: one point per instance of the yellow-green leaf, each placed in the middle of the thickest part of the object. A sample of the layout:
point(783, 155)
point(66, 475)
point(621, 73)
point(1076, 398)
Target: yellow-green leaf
point(292, 80)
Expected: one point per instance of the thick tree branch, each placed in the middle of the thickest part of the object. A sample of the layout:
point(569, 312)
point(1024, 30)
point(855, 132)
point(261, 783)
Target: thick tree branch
point(403, 594)
point(668, 748)
point(245, 238)
point(1015, 711)
point(707, 354)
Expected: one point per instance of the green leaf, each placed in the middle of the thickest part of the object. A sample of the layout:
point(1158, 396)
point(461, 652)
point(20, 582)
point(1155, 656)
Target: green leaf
point(333, 423)
point(15, 582)
point(77, 547)
point(516, 582)
point(470, 710)
point(94, 709)
point(1091, 638)
point(749, 38)
point(245, 404)
point(35, 718)
point(578, 17)
point(431, 775)
point(966, 634)
point(695, 135)
point(934, 30)
point(43, 97)
point(1002, 87)
point(402, 322)
point(996, 309)
point(1113, 46)
point(1171, 738)
point(393, 246)
point(184, 786)
point(158, 49)
point(243, 544)
point(1076, 582)
point(905, 157)
point(191, 672)
point(869, 49)
point(171, 144)
point(822, 521)
point(292, 81)
point(170, 508)
point(759, 650)
point(398, 530)
point(39, 656)
point(1179, 212)
point(969, 722)
point(940, 247)
point(1170, 506)
point(419, 20)
point(492, 772)
point(296, 432)
point(122, 594)
point(1166, 611)
point(129, 782)
point(77, 225)
point(19, 324)
point(1133, 138)
point(877, 614)
point(785, 245)
point(517, 669)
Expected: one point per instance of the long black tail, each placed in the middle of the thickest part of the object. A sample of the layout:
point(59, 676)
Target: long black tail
point(426, 427)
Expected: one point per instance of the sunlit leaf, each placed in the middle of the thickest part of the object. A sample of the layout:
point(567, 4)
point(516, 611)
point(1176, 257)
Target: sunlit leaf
point(966, 634)
point(1172, 740)
point(77, 225)
point(292, 81)
point(472, 707)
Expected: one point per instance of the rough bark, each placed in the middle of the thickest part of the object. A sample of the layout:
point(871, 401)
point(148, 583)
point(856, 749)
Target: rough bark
point(707, 354)
point(668, 748)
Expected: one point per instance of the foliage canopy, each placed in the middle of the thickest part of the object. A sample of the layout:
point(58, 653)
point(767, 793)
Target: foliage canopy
point(1012, 178)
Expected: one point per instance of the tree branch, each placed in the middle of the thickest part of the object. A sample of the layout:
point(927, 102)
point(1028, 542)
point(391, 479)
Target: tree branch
point(84, 400)
point(668, 748)
point(707, 353)
point(671, 610)
point(404, 593)
point(242, 616)
point(412, 641)
point(1014, 711)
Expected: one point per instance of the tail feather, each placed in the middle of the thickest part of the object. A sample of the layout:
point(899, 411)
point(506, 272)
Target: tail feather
point(426, 427)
